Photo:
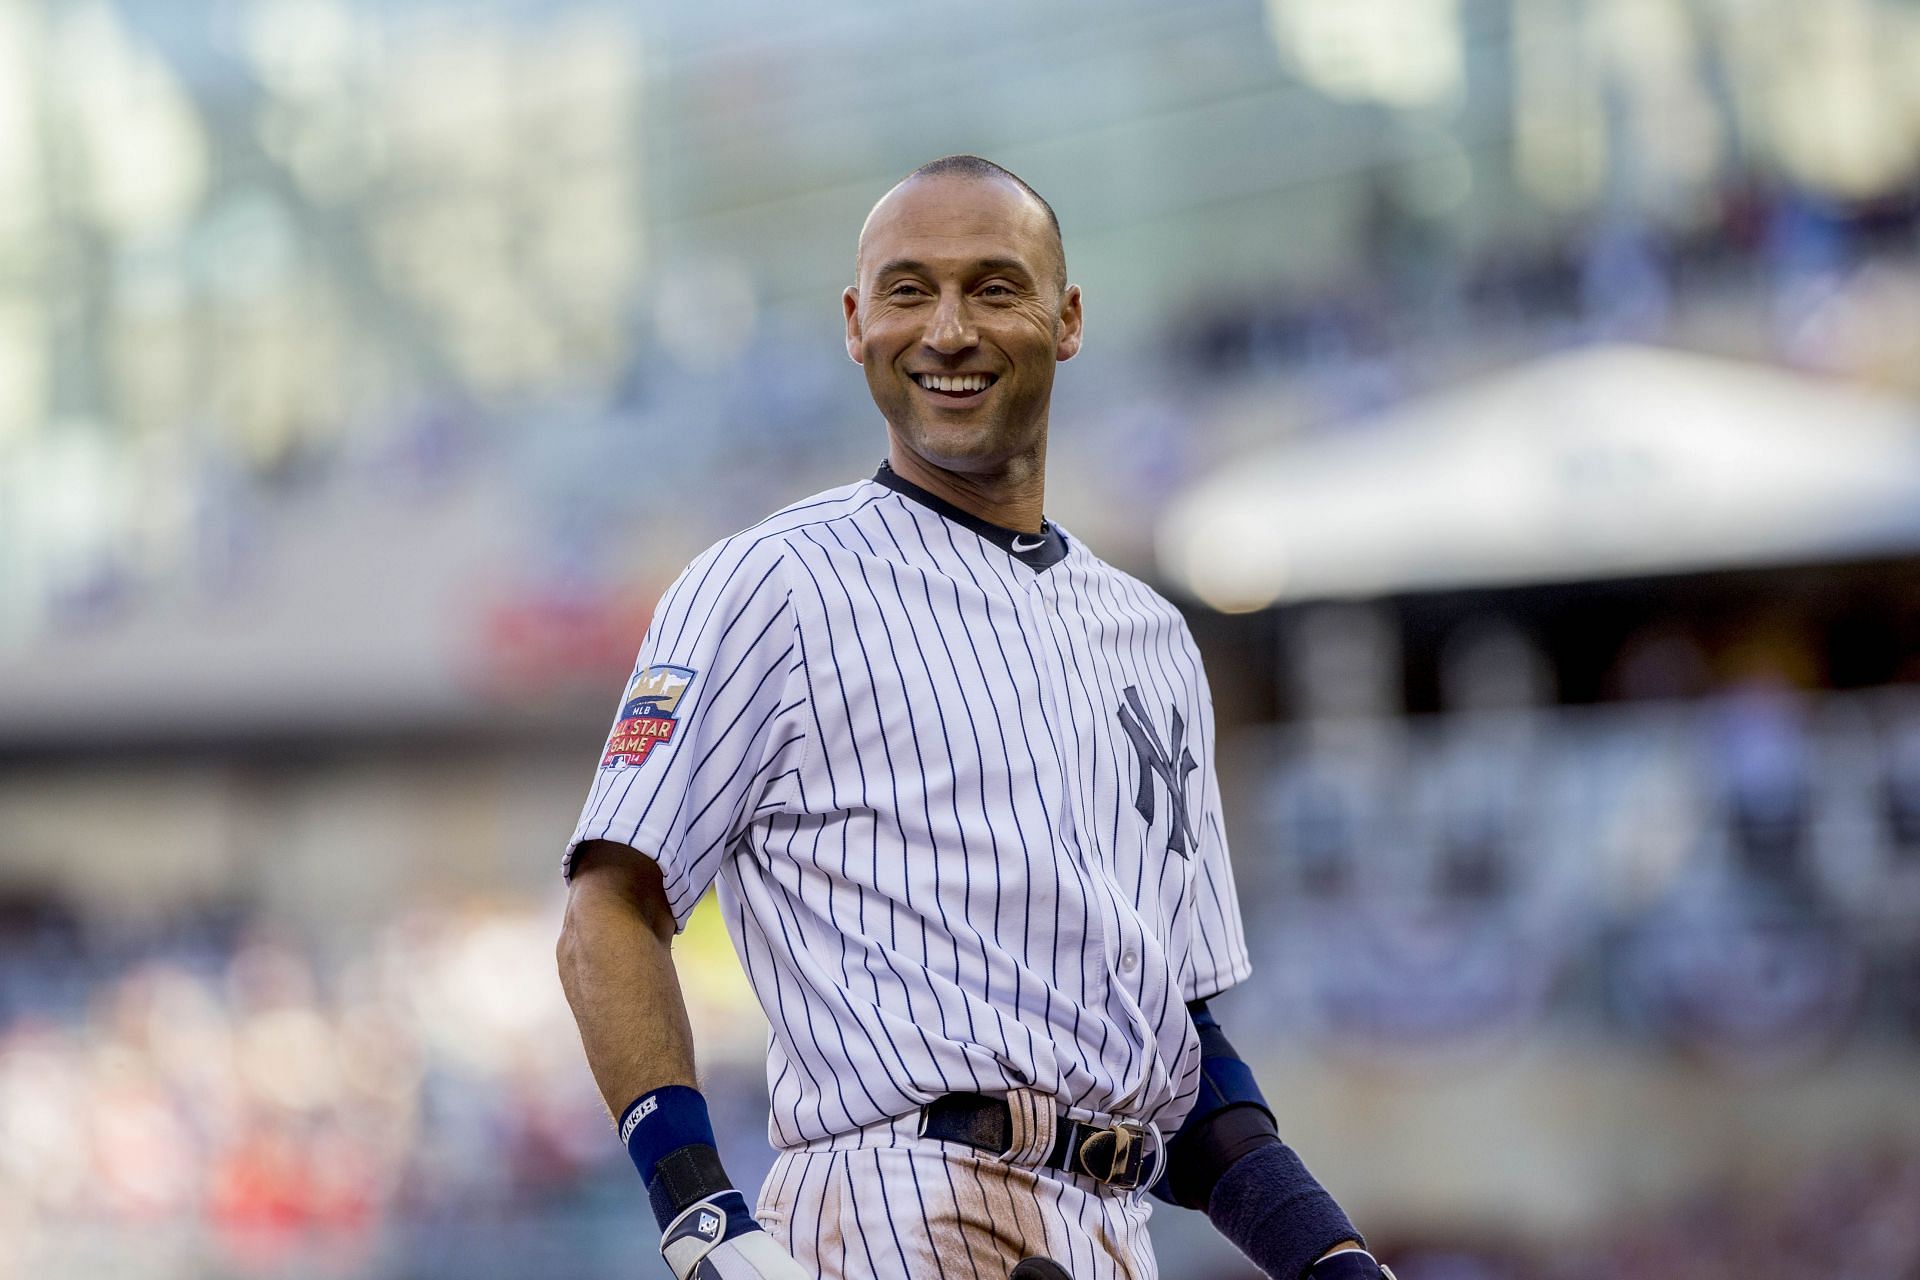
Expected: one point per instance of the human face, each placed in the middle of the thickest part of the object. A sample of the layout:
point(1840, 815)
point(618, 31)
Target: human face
point(960, 279)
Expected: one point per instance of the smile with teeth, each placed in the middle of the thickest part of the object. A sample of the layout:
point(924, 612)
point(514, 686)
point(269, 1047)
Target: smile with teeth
point(958, 383)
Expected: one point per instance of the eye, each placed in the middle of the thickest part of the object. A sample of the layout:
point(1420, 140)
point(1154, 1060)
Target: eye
point(995, 289)
point(904, 289)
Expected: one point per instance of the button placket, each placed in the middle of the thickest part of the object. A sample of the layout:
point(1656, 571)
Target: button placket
point(1037, 614)
point(1118, 945)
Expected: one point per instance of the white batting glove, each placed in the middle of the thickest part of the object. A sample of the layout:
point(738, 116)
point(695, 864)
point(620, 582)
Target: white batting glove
point(697, 1247)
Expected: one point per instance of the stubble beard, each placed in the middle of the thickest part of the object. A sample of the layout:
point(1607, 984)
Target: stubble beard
point(990, 445)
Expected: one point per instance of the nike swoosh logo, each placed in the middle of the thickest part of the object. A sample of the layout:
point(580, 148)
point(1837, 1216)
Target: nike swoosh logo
point(1022, 545)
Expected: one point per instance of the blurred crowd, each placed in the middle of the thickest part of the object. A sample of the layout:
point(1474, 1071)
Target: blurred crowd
point(1850, 1215)
point(278, 1101)
point(1737, 877)
point(1733, 881)
point(229, 1103)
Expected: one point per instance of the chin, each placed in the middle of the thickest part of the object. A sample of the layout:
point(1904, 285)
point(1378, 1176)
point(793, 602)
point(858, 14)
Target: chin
point(962, 448)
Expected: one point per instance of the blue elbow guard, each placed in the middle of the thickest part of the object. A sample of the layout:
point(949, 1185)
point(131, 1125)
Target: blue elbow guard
point(1230, 1118)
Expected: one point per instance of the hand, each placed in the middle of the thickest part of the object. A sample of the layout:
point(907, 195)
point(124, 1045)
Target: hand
point(717, 1239)
point(1349, 1263)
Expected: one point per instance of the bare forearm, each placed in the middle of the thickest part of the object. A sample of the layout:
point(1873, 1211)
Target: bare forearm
point(616, 966)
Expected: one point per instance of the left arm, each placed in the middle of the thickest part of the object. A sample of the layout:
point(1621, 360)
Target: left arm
point(1228, 1160)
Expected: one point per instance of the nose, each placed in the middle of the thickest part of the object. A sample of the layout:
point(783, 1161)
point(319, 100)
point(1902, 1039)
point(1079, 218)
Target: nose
point(950, 329)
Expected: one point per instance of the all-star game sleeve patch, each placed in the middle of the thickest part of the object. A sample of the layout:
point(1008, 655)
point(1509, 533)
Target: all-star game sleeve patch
point(647, 717)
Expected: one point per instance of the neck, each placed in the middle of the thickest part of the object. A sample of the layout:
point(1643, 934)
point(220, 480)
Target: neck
point(1012, 497)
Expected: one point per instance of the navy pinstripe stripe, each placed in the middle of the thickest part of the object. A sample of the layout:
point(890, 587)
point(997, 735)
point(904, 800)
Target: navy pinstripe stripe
point(1052, 843)
point(853, 1014)
point(876, 1178)
point(906, 986)
point(908, 848)
point(826, 1181)
point(978, 776)
point(1094, 724)
point(1001, 574)
point(790, 1043)
point(927, 823)
point(1152, 649)
point(1091, 899)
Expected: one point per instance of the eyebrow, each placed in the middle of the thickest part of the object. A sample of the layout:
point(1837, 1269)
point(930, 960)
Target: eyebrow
point(984, 265)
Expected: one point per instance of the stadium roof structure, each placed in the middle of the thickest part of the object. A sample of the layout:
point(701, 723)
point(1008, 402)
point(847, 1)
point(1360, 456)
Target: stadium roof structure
point(1603, 462)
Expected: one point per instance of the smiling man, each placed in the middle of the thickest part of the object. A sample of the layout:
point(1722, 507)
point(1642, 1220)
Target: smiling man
point(953, 775)
point(959, 315)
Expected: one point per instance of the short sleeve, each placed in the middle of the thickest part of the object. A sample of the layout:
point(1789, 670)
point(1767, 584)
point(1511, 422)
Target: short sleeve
point(707, 720)
point(1217, 938)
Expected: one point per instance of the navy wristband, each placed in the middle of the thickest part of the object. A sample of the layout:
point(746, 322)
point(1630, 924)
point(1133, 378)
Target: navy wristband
point(663, 1121)
point(669, 1137)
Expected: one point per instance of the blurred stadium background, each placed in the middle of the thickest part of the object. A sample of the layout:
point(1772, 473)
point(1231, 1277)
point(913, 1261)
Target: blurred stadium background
point(1522, 396)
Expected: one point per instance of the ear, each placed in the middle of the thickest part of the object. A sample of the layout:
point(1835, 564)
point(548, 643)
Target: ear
point(850, 303)
point(1071, 323)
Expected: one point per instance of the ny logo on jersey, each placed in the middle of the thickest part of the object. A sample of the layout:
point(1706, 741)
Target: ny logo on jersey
point(1170, 765)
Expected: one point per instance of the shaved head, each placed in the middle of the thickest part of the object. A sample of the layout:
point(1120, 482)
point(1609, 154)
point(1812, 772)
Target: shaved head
point(976, 169)
point(958, 314)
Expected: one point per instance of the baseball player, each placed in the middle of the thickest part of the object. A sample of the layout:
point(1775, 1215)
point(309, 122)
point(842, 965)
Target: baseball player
point(954, 777)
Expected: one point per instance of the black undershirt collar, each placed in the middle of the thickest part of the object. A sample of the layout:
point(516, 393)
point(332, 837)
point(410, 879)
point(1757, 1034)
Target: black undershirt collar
point(1036, 551)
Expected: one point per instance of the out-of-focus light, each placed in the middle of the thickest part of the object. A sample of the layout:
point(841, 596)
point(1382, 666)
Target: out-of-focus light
point(73, 509)
point(1559, 122)
point(509, 213)
point(149, 345)
point(25, 368)
point(247, 248)
point(332, 150)
point(1830, 100)
point(300, 48)
point(705, 313)
point(144, 149)
point(1440, 181)
point(450, 108)
point(1866, 329)
point(288, 1057)
point(584, 243)
point(43, 1110)
point(160, 528)
point(378, 1056)
point(1226, 559)
point(1653, 61)
point(21, 51)
point(1405, 53)
point(1612, 98)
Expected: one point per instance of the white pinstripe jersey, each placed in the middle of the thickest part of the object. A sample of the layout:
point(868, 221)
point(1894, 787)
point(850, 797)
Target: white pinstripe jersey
point(960, 800)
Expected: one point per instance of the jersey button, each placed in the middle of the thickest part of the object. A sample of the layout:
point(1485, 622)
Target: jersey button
point(1129, 961)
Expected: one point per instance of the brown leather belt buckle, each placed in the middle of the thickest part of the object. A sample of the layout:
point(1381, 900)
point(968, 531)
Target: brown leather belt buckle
point(1115, 1156)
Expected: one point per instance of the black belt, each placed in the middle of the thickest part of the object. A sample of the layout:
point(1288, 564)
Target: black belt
point(1115, 1154)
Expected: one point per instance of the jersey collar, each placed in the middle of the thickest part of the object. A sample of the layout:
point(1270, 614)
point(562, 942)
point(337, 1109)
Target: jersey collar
point(1038, 552)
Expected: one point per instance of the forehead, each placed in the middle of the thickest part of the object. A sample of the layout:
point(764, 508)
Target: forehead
point(950, 220)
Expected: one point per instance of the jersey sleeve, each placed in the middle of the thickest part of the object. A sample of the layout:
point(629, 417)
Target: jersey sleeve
point(1217, 938)
point(706, 723)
